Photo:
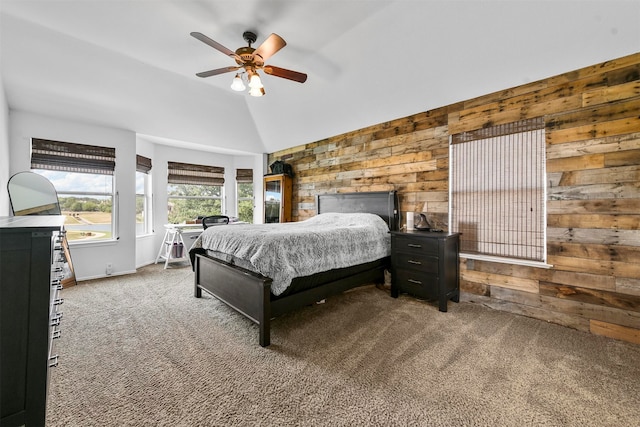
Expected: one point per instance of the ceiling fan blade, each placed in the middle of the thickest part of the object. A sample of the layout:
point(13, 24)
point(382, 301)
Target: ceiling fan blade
point(285, 74)
point(214, 44)
point(270, 46)
point(217, 71)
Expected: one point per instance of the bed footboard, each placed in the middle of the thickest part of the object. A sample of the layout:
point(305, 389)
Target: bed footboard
point(247, 292)
point(250, 293)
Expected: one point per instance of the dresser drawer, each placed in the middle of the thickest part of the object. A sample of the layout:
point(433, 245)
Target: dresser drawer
point(412, 261)
point(416, 283)
point(415, 245)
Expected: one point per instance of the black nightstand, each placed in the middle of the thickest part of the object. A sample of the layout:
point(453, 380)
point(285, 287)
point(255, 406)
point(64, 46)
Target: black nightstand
point(426, 264)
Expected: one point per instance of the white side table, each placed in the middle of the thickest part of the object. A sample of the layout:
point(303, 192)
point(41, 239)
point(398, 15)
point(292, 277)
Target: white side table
point(173, 248)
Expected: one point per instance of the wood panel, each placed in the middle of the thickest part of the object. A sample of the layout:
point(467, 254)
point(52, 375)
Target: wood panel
point(510, 282)
point(600, 206)
point(606, 145)
point(594, 236)
point(597, 130)
point(592, 130)
point(591, 296)
point(617, 221)
point(615, 331)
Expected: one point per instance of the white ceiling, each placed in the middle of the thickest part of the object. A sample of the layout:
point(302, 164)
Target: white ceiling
point(132, 64)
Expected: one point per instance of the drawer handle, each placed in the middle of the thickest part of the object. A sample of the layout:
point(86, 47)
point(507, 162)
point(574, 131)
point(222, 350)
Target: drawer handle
point(413, 245)
point(56, 334)
point(414, 262)
point(53, 361)
point(58, 301)
point(417, 282)
point(55, 319)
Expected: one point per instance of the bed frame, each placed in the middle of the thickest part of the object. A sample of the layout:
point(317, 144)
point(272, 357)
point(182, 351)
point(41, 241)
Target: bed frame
point(250, 293)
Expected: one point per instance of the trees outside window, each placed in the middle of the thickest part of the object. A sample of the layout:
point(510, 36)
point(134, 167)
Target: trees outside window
point(186, 202)
point(245, 201)
point(86, 200)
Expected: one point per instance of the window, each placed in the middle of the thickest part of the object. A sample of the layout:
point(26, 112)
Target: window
point(244, 194)
point(194, 190)
point(143, 196)
point(497, 190)
point(83, 178)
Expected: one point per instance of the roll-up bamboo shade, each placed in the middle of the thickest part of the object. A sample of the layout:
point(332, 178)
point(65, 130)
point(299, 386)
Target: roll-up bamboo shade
point(186, 173)
point(70, 157)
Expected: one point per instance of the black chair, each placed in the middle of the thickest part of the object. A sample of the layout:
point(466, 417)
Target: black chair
point(212, 220)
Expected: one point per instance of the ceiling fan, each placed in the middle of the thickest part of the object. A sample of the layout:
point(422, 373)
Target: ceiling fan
point(251, 60)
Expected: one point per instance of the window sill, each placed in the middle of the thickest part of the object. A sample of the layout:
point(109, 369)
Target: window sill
point(515, 261)
point(85, 244)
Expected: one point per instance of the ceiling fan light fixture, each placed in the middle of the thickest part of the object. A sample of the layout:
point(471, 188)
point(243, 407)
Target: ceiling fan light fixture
point(237, 84)
point(254, 81)
point(249, 60)
point(257, 91)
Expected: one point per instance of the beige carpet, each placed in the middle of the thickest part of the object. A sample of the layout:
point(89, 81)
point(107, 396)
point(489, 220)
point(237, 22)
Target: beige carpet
point(140, 350)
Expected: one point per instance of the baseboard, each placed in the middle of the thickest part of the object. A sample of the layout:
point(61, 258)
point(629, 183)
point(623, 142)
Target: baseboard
point(145, 263)
point(104, 276)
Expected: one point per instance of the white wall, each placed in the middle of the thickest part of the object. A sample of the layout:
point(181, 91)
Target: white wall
point(5, 207)
point(162, 154)
point(128, 252)
point(89, 259)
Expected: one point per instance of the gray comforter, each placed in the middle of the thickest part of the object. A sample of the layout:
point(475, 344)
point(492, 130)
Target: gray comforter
point(297, 249)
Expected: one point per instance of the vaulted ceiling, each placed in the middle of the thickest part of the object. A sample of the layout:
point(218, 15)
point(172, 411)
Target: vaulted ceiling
point(132, 64)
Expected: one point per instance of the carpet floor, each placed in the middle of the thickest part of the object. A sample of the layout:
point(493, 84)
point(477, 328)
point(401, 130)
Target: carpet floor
point(141, 350)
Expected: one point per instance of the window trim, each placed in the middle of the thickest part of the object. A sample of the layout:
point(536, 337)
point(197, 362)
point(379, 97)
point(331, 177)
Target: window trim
point(148, 204)
point(68, 157)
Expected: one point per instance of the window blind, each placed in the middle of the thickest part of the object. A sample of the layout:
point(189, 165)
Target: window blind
point(186, 173)
point(244, 175)
point(69, 157)
point(143, 164)
point(498, 190)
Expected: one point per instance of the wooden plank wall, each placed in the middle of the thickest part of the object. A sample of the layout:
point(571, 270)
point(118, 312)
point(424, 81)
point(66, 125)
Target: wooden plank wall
point(592, 118)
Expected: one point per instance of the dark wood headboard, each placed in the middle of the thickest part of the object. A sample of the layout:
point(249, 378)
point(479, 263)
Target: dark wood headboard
point(382, 203)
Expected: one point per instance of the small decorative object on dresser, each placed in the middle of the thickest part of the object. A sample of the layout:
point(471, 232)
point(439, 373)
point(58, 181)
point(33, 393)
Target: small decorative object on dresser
point(426, 265)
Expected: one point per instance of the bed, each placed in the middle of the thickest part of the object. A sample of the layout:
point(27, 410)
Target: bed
point(258, 297)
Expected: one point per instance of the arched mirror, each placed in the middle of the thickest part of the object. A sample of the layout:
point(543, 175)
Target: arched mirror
point(33, 194)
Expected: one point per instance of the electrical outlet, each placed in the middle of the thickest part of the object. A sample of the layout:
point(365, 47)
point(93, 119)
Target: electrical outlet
point(109, 268)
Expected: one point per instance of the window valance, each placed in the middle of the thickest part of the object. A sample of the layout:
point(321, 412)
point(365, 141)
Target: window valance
point(143, 164)
point(244, 175)
point(70, 157)
point(186, 173)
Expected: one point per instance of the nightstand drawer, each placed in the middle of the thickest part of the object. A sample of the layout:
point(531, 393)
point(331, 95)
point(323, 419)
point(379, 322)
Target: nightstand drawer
point(424, 285)
point(414, 245)
point(412, 261)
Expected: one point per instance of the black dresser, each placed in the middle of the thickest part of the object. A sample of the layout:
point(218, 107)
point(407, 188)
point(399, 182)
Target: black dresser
point(426, 264)
point(31, 272)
